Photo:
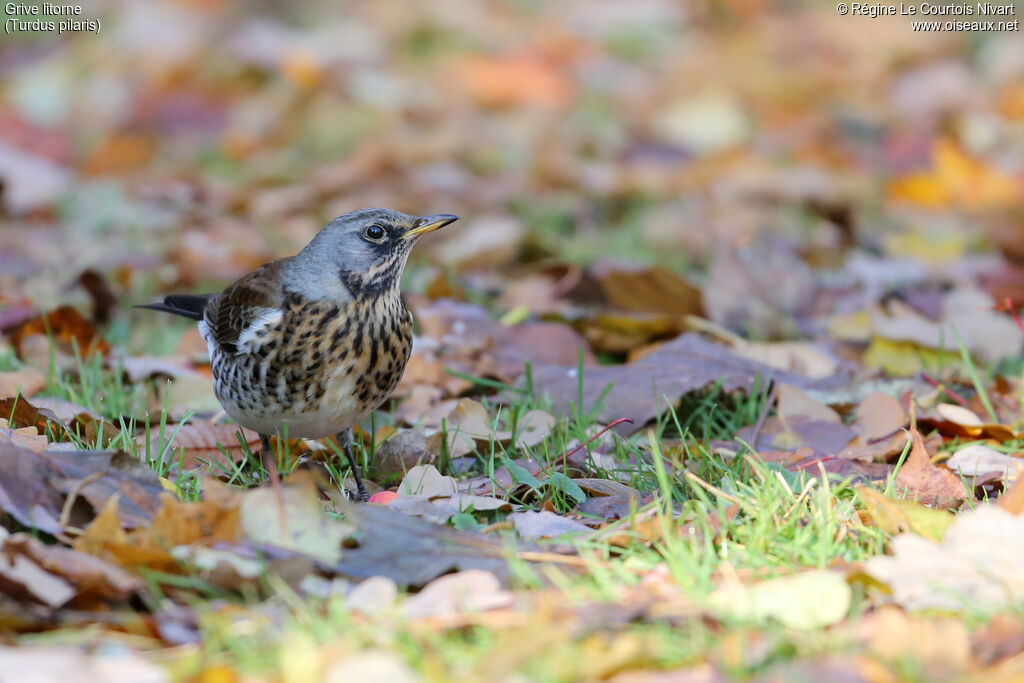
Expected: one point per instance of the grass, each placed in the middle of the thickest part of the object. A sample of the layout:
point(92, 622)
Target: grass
point(711, 518)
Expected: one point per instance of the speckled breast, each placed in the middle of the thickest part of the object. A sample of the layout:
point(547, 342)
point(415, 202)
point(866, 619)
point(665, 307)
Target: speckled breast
point(320, 369)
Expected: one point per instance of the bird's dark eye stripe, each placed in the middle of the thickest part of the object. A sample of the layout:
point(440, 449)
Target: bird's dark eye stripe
point(375, 232)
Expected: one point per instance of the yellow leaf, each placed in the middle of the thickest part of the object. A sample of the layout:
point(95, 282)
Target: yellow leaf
point(958, 180)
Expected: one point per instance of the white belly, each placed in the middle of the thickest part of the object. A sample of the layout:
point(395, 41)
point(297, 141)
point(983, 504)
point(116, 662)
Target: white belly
point(338, 410)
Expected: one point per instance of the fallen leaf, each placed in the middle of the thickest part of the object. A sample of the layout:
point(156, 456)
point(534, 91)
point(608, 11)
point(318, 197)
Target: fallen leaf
point(53, 663)
point(928, 483)
point(808, 600)
point(19, 413)
point(26, 437)
point(372, 596)
point(959, 180)
point(879, 421)
point(33, 486)
point(540, 343)
point(298, 522)
point(66, 327)
point(371, 665)
point(976, 460)
point(938, 644)
point(199, 440)
point(25, 382)
point(94, 580)
point(647, 387)
point(958, 415)
point(21, 578)
point(895, 516)
point(515, 79)
point(794, 402)
point(802, 358)
point(411, 551)
point(471, 590)
point(425, 480)
point(1012, 499)
point(646, 289)
point(403, 451)
point(1001, 638)
point(533, 524)
point(975, 568)
point(879, 415)
point(176, 523)
point(967, 312)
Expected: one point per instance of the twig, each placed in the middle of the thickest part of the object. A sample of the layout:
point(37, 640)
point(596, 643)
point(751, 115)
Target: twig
point(564, 458)
point(944, 389)
point(713, 489)
point(772, 393)
point(811, 463)
point(69, 502)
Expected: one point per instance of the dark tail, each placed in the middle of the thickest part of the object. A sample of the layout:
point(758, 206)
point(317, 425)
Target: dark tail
point(187, 305)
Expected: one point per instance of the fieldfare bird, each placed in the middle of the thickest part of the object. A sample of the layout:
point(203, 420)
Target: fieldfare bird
point(306, 346)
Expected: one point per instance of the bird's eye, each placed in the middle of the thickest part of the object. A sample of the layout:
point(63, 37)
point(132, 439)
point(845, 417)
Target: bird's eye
point(375, 233)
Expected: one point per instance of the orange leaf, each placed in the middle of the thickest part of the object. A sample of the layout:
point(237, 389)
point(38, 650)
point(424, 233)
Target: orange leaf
point(67, 326)
point(514, 80)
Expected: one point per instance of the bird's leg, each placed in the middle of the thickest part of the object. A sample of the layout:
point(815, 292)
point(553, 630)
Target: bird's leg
point(345, 441)
point(270, 463)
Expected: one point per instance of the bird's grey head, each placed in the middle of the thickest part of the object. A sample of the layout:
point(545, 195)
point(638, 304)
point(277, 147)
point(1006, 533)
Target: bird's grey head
point(361, 254)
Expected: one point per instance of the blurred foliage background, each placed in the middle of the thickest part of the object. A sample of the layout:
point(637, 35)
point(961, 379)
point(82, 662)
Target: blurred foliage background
point(186, 142)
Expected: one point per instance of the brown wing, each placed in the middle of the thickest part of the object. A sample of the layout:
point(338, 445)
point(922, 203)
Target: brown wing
point(242, 304)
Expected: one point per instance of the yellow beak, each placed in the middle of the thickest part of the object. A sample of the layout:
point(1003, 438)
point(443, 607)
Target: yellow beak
point(429, 224)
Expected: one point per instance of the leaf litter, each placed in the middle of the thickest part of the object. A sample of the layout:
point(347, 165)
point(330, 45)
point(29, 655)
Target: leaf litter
point(829, 324)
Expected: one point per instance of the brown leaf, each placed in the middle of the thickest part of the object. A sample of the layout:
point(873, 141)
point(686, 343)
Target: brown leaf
point(928, 483)
point(645, 289)
point(400, 453)
point(540, 343)
point(103, 299)
point(26, 437)
point(878, 416)
point(20, 413)
point(93, 579)
point(25, 382)
point(176, 523)
point(879, 422)
point(821, 436)
point(22, 578)
point(606, 487)
point(67, 327)
point(999, 639)
point(93, 431)
point(201, 439)
point(645, 388)
point(795, 402)
point(33, 486)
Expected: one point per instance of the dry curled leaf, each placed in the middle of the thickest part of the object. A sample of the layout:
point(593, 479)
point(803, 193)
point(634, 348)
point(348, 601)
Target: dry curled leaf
point(931, 484)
